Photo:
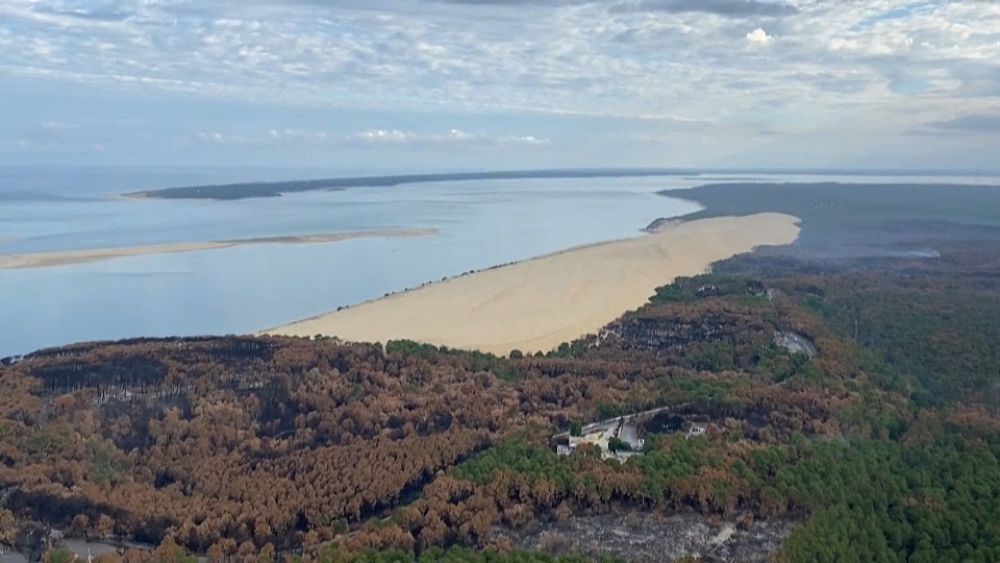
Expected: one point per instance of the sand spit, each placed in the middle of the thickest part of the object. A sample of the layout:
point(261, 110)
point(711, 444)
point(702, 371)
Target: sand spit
point(540, 303)
point(43, 259)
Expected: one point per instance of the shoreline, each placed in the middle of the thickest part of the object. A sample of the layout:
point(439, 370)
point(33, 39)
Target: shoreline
point(68, 257)
point(538, 303)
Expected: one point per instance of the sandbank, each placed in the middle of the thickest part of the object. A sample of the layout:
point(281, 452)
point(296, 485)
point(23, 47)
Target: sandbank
point(61, 258)
point(537, 304)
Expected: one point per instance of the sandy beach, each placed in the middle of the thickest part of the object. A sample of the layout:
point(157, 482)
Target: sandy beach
point(43, 259)
point(540, 303)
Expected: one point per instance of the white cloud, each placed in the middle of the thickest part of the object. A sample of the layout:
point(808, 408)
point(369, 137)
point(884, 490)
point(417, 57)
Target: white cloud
point(759, 38)
point(563, 58)
point(297, 136)
point(54, 125)
point(454, 136)
point(288, 136)
point(384, 136)
point(271, 137)
point(524, 140)
point(891, 64)
point(216, 138)
point(451, 136)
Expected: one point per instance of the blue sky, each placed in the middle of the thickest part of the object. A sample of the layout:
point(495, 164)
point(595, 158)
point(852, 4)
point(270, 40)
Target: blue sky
point(393, 85)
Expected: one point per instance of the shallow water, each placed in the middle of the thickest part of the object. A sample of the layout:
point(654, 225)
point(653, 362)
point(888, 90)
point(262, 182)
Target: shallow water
point(249, 288)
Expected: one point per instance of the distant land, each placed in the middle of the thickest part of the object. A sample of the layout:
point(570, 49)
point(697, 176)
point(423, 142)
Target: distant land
point(845, 220)
point(274, 189)
point(245, 190)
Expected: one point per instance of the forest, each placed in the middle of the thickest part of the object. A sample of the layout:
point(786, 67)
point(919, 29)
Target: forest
point(883, 444)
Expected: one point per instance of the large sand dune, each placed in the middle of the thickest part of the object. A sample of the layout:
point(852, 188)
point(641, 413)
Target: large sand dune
point(540, 303)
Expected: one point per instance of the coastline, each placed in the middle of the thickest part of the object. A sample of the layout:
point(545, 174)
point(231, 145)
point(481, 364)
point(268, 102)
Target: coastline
point(537, 304)
point(63, 258)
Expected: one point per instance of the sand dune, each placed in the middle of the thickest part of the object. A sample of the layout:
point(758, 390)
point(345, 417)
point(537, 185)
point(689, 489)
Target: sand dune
point(42, 259)
point(540, 303)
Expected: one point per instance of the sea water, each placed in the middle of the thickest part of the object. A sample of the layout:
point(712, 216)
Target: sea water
point(249, 288)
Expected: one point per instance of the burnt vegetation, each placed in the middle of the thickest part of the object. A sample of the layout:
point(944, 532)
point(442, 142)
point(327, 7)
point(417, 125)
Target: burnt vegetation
point(881, 441)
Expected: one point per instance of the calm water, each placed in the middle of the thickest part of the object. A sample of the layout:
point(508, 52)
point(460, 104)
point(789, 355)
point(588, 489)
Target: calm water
point(249, 288)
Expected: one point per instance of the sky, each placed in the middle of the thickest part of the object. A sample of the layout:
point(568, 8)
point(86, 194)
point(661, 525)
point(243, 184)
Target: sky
point(421, 85)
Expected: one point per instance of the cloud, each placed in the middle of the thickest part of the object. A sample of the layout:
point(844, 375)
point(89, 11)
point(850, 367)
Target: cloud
point(271, 137)
point(616, 58)
point(525, 3)
point(297, 136)
point(398, 136)
point(94, 11)
point(216, 138)
point(976, 123)
point(452, 136)
point(524, 140)
point(586, 68)
point(384, 136)
point(759, 38)
point(728, 8)
point(54, 125)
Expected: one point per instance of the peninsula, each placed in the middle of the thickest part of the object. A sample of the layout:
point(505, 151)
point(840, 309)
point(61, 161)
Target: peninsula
point(275, 189)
